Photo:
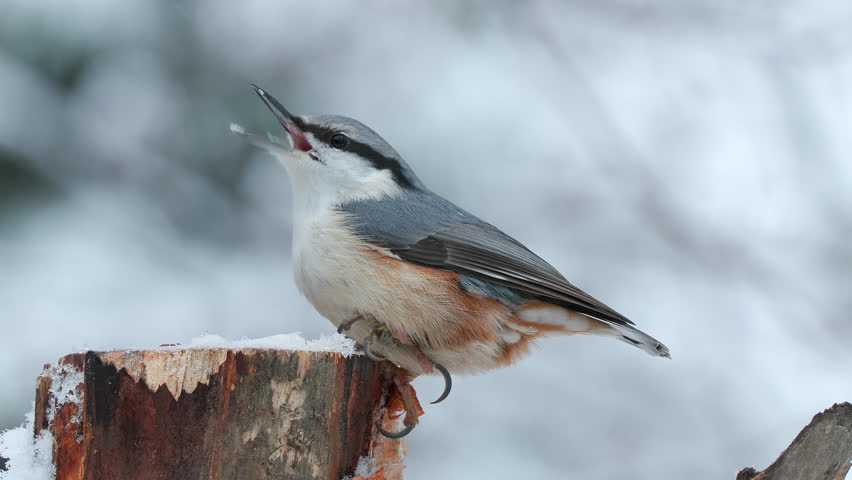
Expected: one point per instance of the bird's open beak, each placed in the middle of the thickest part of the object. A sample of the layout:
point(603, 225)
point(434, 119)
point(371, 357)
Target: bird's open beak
point(285, 119)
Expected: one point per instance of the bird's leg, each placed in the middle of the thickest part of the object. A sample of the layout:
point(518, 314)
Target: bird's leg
point(401, 336)
point(369, 353)
point(388, 336)
point(402, 381)
point(383, 335)
point(347, 324)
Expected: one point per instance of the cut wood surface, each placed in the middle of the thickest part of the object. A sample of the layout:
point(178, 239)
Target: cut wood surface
point(821, 451)
point(258, 414)
point(217, 413)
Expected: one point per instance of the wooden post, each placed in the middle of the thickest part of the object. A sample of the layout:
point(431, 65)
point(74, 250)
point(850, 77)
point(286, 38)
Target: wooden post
point(821, 451)
point(262, 414)
point(217, 413)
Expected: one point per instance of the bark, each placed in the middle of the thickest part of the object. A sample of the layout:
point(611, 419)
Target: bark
point(821, 451)
point(263, 414)
point(216, 414)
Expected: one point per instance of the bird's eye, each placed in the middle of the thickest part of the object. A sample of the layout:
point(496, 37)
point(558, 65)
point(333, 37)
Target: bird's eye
point(339, 140)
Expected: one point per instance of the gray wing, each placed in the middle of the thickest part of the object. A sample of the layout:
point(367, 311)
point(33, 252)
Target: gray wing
point(428, 230)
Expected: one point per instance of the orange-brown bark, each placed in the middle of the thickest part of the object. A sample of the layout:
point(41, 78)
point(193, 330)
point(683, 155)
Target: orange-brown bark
point(217, 414)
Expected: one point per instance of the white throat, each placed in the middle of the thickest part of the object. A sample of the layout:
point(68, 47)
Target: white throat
point(319, 188)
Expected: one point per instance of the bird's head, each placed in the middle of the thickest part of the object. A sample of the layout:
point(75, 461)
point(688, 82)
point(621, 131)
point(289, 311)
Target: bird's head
point(336, 156)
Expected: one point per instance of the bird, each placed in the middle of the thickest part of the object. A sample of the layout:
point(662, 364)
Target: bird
point(413, 278)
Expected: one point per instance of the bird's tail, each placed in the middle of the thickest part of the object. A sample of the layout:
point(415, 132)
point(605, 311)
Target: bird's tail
point(549, 317)
point(637, 338)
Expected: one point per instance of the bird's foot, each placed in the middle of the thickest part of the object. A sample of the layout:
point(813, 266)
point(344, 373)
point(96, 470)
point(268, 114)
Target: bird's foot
point(386, 336)
point(382, 335)
point(347, 324)
point(405, 394)
point(369, 353)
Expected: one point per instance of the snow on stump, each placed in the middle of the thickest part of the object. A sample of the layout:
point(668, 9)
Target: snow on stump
point(217, 412)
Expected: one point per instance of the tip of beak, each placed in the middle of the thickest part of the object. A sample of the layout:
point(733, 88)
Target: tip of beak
point(259, 91)
point(285, 118)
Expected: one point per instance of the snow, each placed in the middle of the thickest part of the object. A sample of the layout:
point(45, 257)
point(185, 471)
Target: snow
point(335, 342)
point(29, 459)
point(685, 162)
point(63, 389)
point(288, 341)
point(364, 469)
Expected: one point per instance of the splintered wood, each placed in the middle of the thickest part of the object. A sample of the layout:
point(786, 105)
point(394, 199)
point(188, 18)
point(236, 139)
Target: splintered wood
point(216, 413)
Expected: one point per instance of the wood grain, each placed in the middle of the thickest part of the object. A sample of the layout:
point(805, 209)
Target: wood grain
point(821, 451)
point(217, 414)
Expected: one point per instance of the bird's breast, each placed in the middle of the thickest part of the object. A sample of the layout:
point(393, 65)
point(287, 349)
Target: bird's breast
point(341, 275)
point(328, 265)
point(344, 276)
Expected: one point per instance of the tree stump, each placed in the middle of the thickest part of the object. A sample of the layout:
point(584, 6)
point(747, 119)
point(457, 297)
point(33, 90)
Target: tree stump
point(217, 413)
point(821, 451)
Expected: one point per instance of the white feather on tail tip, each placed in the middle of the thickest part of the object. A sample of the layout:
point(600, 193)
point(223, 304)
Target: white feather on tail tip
point(631, 336)
point(642, 340)
point(573, 322)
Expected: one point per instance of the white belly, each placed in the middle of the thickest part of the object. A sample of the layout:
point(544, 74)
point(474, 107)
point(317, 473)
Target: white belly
point(330, 269)
point(342, 277)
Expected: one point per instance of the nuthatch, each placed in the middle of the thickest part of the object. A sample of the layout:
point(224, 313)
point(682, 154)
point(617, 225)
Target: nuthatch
point(410, 276)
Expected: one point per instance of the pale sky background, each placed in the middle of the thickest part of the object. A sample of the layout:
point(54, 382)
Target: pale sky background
point(687, 162)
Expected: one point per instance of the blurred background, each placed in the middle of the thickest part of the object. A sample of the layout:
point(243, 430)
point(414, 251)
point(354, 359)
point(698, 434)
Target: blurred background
point(687, 162)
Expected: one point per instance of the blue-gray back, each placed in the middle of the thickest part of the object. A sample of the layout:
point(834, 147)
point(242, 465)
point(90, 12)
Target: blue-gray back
point(426, 229)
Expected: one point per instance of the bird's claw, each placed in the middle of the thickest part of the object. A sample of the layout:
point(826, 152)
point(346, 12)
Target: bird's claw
point(383, 335)
point(347, 324)
point(402, 381)
point(394, 435)
point(448, 382)
point(372, 356)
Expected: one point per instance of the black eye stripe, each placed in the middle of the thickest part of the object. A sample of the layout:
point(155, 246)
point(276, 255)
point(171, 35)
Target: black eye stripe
point(376, 159)
point(300, 123)
point(380, 162)
point(321, 133)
